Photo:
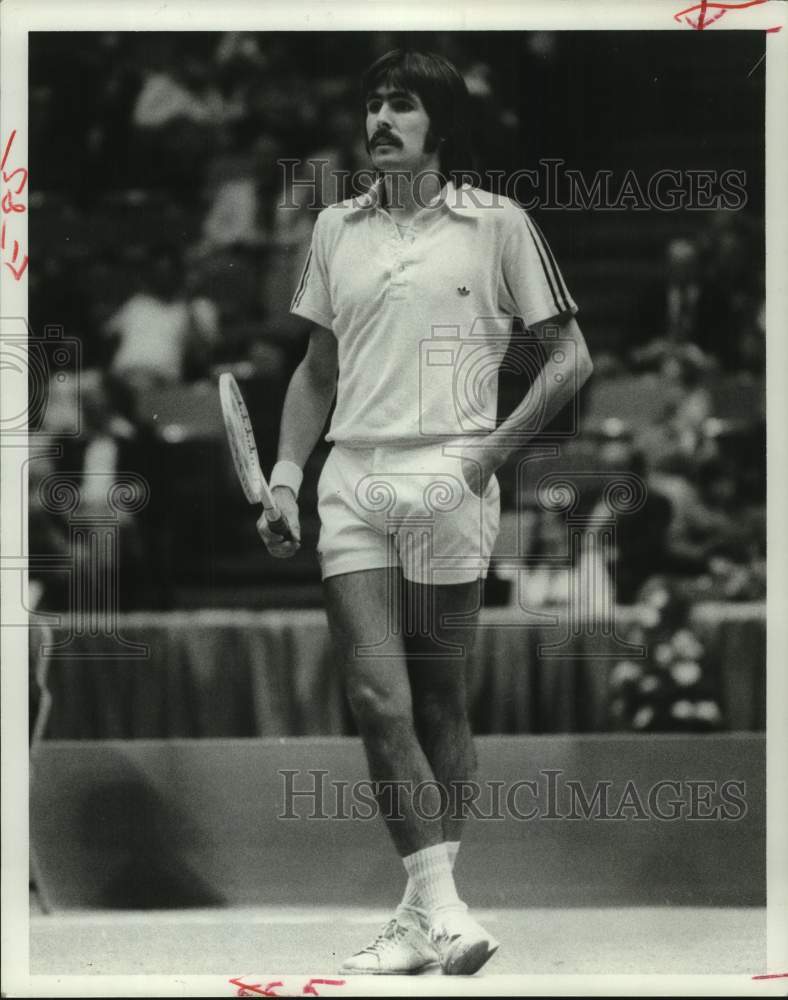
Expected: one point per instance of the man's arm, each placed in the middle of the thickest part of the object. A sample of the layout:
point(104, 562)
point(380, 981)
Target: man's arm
point(309, 398)
point(558, 382)
point(307, 403)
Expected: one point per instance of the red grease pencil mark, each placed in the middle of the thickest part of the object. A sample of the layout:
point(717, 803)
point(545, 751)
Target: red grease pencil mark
point(10, 207)
point(309, 989)
point(704, 18)
point(250, 989)
point(7, 149)
point(773, 975)
point(269, 990)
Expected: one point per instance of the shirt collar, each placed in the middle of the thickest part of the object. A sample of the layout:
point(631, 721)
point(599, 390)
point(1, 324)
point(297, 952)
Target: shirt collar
point(457, 200)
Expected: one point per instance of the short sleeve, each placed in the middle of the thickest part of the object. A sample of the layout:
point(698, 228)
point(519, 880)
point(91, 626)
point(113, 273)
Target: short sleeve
point(531, 286)
point(312, 298)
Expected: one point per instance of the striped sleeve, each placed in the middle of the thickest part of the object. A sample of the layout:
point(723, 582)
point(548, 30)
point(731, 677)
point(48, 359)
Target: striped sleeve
point(531, 284)
point(312, 298)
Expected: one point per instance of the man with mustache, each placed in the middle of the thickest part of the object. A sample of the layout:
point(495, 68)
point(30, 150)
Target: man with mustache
point(408, 499)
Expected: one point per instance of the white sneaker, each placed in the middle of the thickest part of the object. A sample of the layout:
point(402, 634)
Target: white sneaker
point(463, 945)
point(401, 949)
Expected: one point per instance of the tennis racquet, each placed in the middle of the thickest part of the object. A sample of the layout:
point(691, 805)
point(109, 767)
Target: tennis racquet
point(244, 451)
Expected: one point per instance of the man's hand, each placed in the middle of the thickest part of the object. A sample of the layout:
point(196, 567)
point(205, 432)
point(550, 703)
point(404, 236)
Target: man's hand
point(288, 505)
point(479, 463)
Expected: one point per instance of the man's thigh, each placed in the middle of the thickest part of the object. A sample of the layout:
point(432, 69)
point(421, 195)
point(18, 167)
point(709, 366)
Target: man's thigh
point(439, 622)
point(364, 615)
point(383, 624)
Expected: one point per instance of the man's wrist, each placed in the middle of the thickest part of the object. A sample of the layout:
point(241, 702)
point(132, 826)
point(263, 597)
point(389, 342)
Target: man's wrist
point(287, 474)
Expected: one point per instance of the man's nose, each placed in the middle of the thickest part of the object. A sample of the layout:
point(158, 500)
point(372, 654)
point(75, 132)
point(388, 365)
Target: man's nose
point(383, 117)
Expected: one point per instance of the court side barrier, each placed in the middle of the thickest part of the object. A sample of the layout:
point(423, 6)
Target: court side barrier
point(614, 820)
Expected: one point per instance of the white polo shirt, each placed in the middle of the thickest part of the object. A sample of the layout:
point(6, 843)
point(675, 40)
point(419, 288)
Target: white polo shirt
point(423, 318)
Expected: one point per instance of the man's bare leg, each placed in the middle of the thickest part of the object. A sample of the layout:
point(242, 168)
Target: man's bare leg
point(439, 691)
point(439, 686)
point(363, 611)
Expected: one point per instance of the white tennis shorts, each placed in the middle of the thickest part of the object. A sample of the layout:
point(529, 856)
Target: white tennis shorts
point(405, 506)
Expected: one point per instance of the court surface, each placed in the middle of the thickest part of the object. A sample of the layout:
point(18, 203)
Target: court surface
point(298, 940)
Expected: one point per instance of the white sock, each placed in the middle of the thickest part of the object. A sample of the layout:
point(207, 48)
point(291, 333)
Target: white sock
point(412, 903)
point(430, 870)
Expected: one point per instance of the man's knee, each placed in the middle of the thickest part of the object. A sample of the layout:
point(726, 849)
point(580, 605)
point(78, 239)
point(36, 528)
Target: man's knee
point(374, 706)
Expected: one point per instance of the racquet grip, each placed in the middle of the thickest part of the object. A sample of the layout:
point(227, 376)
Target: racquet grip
point(279, 526)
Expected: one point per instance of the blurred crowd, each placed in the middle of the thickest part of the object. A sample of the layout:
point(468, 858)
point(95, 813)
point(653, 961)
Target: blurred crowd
point(700, 344)
point(169, 235)
point(179, 139)
point(190, 134)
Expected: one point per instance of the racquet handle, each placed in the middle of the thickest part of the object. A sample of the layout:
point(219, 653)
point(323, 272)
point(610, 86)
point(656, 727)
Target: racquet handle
point(278, 524)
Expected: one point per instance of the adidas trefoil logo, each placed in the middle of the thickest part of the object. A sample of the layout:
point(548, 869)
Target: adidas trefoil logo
point(464, 290)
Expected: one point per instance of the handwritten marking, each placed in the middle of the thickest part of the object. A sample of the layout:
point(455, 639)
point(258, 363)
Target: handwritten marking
point(309, 989)
point(11, 207)
point(247, 989)
point(704, 19)
point(256, 989)
point(773, 975)
point(7, 149)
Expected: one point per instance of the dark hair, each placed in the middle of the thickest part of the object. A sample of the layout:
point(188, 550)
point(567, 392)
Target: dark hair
point(444, 95)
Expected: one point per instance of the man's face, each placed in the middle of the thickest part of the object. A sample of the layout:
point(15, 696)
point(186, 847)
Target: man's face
point(397, 130)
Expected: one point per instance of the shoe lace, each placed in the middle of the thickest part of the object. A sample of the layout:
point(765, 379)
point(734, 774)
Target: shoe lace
point(390, 934)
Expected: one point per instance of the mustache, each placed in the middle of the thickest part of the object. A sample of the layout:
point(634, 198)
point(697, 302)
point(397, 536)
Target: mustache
point(384, 135)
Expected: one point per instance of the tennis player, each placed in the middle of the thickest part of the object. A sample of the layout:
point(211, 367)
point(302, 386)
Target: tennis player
point(403, 284)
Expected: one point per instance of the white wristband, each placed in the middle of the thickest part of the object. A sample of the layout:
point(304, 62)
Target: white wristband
point(287, 474)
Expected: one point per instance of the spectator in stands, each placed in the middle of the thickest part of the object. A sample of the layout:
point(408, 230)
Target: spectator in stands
point(233, 216)
point(711, 296)
point(163, 333)
point(183, 93)
point(108, 447)
point(176, 117)
point(240, 65)
point(641, 548)
point(730, 248)
point(253, 241)
point(667, 311)
point(678, 439)
point(724, 532)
